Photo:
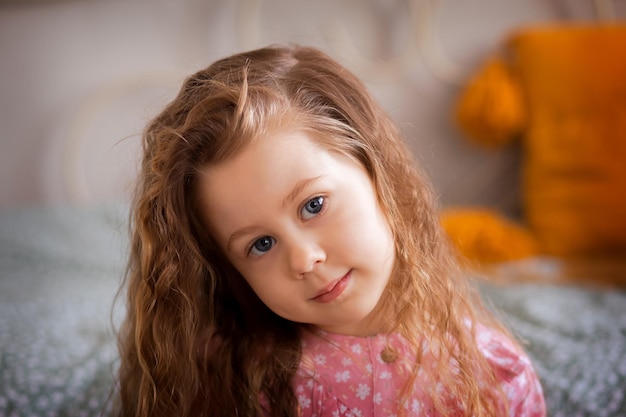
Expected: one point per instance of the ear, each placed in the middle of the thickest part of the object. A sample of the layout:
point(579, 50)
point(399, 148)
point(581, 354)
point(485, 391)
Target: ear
point(490, 109)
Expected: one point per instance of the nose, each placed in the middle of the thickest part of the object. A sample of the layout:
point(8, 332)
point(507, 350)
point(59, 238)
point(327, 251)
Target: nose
point(304, 255)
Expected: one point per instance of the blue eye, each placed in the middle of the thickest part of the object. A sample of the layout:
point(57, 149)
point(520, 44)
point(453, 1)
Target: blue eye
point(312, 207)
point(262, 245)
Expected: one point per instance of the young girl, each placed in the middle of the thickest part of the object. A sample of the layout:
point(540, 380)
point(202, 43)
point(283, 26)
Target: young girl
point(287, 260)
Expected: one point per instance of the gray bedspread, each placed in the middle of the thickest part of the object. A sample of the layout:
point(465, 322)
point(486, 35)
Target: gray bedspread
point(577, 340)
point(59, 272)
point(60, 269)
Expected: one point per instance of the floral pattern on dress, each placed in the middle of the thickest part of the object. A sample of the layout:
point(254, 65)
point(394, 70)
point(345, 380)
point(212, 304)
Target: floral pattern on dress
point(346, 376)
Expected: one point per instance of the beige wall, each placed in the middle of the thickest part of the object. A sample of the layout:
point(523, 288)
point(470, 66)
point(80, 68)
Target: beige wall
point(80, 78)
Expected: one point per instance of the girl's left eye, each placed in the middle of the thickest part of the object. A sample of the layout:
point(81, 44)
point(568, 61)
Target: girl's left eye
point(312, 207)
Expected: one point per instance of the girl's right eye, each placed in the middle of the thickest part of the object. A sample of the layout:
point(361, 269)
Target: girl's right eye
point(262, 245)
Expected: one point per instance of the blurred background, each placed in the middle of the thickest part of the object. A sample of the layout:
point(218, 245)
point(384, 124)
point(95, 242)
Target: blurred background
point(80, 78)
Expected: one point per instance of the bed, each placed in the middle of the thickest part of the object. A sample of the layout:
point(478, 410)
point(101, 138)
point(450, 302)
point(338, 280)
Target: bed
point(61, 268)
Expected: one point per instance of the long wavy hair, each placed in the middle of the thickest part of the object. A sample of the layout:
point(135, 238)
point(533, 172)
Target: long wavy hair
point(196, 340)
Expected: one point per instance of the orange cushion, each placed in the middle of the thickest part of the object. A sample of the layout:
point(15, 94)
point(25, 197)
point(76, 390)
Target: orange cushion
point(574, 173)
point(483, 236)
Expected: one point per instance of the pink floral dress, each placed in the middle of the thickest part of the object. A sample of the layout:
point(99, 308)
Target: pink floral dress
point(361, 377)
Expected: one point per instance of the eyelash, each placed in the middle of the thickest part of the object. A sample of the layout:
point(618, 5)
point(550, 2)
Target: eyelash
point(320, 199)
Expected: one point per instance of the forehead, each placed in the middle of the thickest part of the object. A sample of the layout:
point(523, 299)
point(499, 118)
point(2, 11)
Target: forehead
point(276, 153)
point(259, 176)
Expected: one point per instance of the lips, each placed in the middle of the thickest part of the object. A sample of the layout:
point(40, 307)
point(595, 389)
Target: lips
point(333, 290)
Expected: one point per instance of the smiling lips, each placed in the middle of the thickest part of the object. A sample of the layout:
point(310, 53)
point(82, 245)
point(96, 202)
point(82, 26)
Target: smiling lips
point(334, 290)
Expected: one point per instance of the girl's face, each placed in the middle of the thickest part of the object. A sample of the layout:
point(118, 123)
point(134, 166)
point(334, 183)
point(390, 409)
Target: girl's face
point(304, 228)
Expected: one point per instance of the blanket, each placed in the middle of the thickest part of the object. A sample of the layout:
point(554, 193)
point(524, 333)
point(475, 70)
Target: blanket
point(61, 267)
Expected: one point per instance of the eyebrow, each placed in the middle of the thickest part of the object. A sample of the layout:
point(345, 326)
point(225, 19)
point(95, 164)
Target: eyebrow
point(238, 234)
point(297, 189)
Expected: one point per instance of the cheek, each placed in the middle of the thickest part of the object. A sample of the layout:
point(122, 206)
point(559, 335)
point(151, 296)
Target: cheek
point(278, 298)
point(369, 227)
point(268, 290)
point(380, 242)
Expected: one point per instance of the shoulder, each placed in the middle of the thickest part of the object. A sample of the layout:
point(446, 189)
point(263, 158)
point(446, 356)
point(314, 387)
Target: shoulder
point(504, 355)
point(514, 371)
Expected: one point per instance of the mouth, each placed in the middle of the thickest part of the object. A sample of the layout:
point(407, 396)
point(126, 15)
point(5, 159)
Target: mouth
point(333, 290)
